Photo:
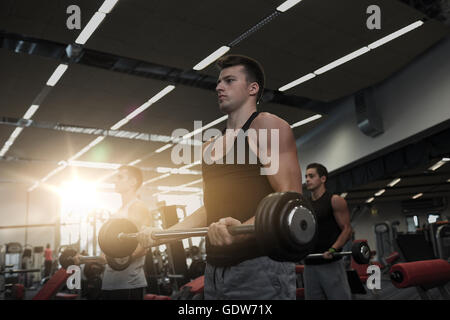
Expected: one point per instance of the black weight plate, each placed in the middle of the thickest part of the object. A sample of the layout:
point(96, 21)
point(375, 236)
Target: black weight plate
point(289, 250)
point(65, 258)
point(109, 242)
point(260, 226)
point(298, 223)
point(361, 252)
point(273, 233)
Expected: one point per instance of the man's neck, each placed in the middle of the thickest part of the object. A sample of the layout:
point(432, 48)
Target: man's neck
point(317, 193)
point(238, 117)
point(127, 197)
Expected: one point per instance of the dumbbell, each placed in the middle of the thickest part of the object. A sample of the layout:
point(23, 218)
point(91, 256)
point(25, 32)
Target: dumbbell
point(285, 228)
point(66, 259)
point(360, 253)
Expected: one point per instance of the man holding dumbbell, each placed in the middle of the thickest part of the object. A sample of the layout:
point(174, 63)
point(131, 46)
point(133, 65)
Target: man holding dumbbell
point(326, 278)
point(236, 267)
point(128, 284)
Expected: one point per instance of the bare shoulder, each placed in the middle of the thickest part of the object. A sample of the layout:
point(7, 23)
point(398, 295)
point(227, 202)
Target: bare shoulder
point(338, 201)
point(266, 120)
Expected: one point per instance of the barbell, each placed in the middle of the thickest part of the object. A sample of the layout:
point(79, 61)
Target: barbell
point(360, 253)
point(285, 228)
point(67, 258)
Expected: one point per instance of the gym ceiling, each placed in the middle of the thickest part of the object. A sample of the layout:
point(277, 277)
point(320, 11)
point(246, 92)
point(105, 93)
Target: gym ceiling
point(172, 37)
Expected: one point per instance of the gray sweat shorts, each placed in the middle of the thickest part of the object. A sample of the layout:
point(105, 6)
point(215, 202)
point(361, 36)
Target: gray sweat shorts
point(256, 279)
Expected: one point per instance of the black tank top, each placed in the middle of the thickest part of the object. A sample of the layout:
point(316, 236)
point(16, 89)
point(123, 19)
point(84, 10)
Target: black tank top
point(233, 190)
point(328, 229)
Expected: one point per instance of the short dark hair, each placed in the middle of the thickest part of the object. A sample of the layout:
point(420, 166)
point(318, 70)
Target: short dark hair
point(321, 170)
point(134, 172)
point(253, 69)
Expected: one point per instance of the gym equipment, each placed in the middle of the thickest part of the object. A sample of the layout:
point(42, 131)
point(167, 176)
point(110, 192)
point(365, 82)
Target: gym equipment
point(52, 286)
point(66, 259)
point(443, 241)
point(424, 275)
point(285, 227)
point(427, 273)
point(360, 253)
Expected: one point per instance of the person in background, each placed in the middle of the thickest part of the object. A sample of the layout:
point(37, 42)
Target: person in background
point(47, 260)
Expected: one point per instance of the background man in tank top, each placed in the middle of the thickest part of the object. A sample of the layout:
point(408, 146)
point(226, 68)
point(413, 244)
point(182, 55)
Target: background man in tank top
point(128, 284)
point(326, 278)
point(236, 268)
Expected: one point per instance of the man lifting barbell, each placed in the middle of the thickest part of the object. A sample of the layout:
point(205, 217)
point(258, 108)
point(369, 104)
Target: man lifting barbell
point(326, 278)
point(124, 278)
point(236, 267)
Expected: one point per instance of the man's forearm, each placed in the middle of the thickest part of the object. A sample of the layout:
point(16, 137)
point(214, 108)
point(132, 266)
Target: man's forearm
point(343, 238)
point(196, 220)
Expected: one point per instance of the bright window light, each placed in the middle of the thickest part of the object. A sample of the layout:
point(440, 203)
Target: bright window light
point(211, 58)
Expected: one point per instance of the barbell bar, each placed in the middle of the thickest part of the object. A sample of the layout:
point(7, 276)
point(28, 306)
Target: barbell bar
point(288, 216)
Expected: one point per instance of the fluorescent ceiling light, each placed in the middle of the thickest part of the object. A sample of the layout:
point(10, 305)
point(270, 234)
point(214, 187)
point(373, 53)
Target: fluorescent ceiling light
point(305, 121)
point(4, 150)
point(211, 58)
point(167, 146)
point(370, 200)
point(285, 6)
point(394, 182)
point(107, 6)
point(96, 165)
point(177, 171)
point(87, 148)
point(446, 159)
point(395, 34)
point(132, 163)
point(297, 82)
point(119, 124)
point(212, 123)
point(437, 165)
point(89, 29)
point(157, 178)
point(417, 195)
point(16, 133)
point(193, 164)
point(342, 60)
point(161, 94)
point(379, 193)
point(183, 189)
point(57, 74)
point(30, 112)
